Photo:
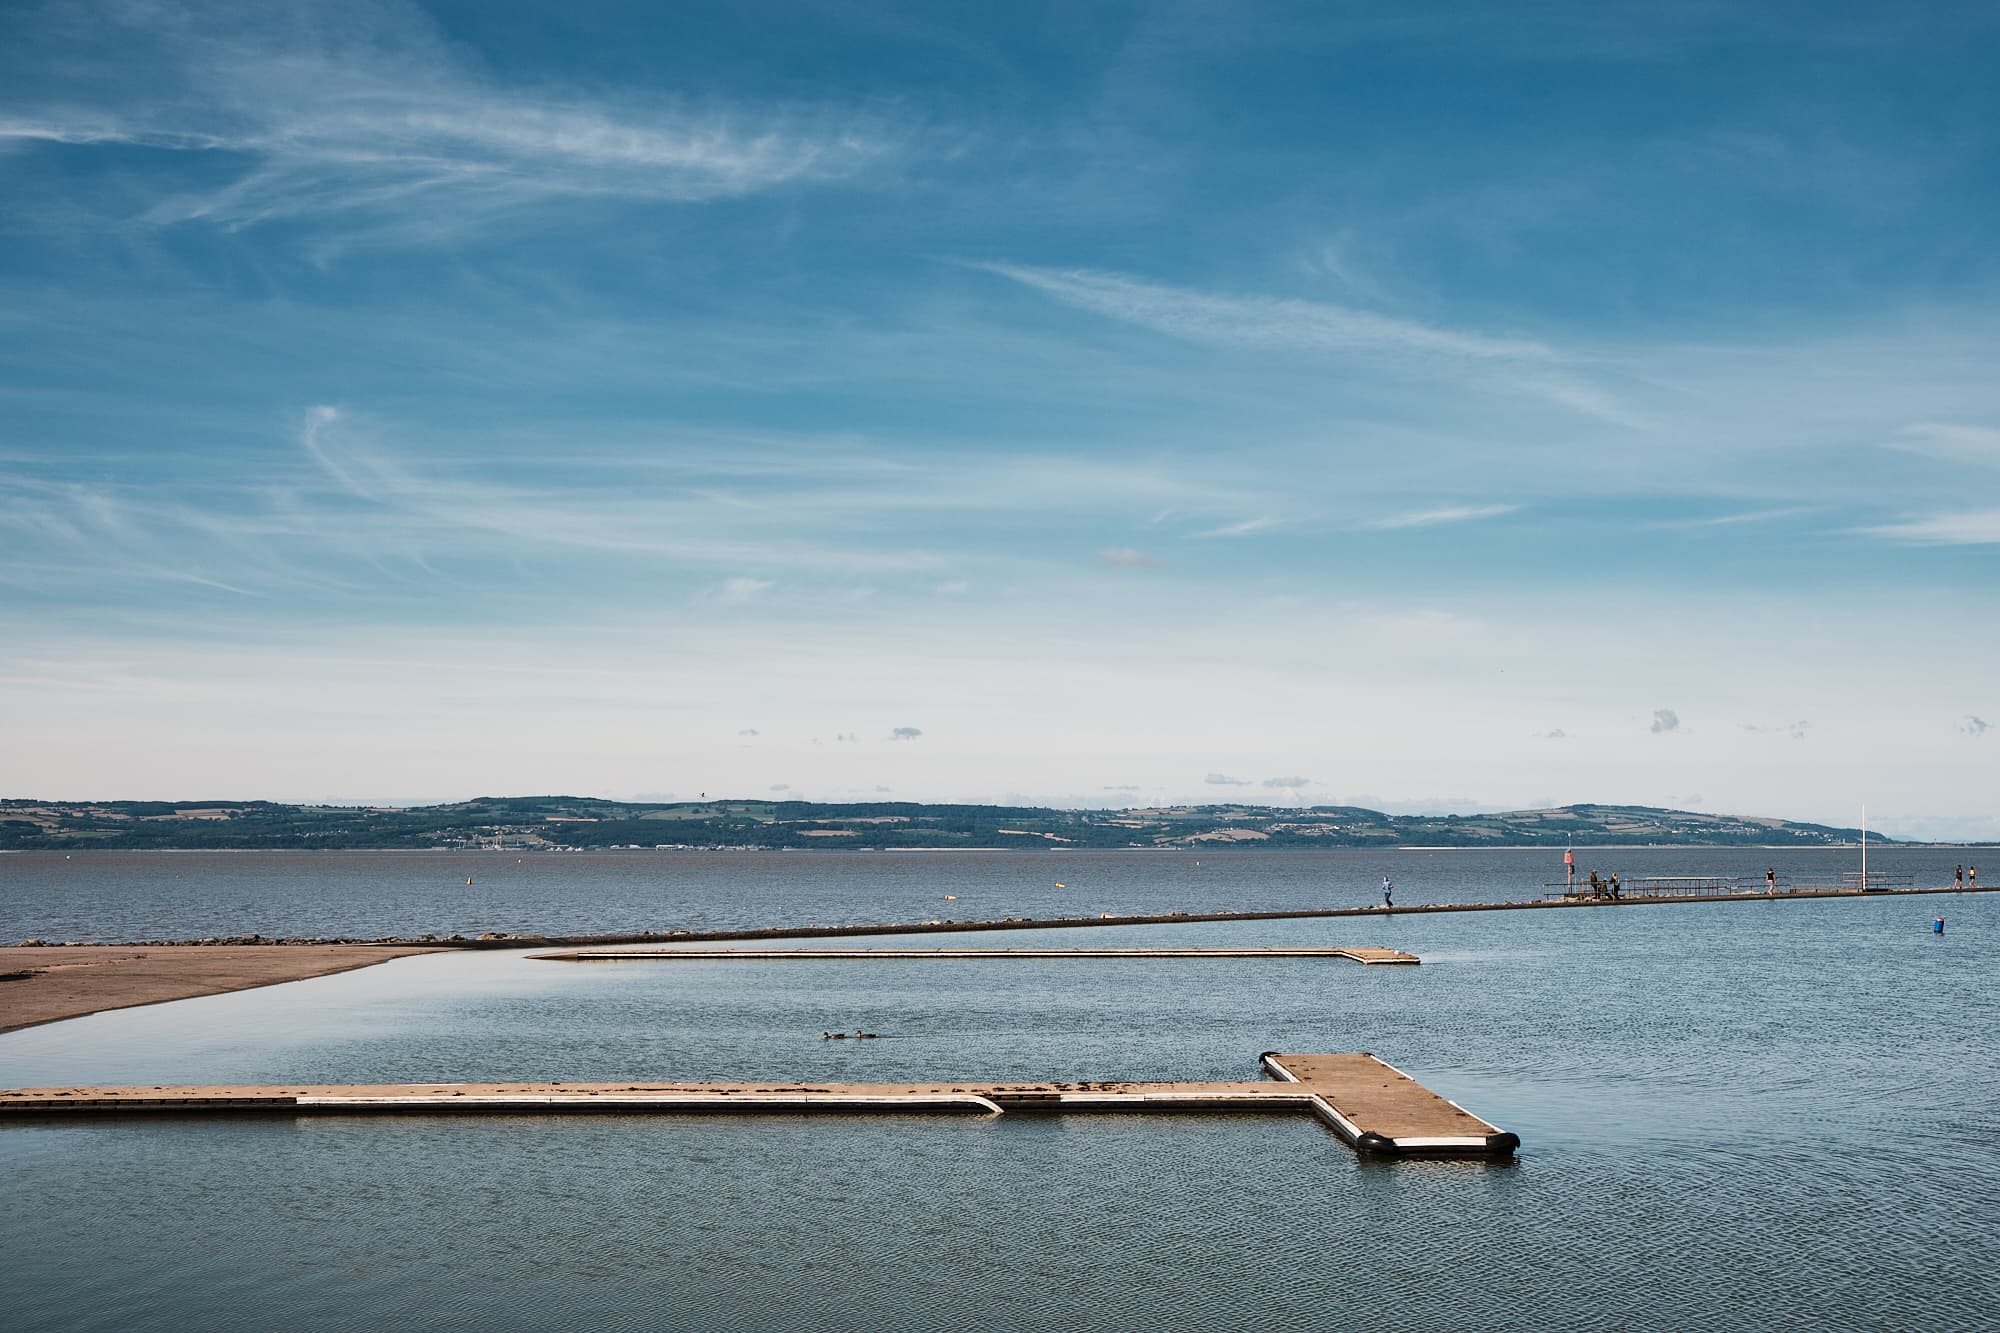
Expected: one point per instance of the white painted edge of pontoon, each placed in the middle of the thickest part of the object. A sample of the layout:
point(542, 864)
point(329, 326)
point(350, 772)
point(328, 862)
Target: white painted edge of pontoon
point(711, 1101)
point(1270, 1062)
point(972, 955)
point(1443, 1141)
point(1183, 1098)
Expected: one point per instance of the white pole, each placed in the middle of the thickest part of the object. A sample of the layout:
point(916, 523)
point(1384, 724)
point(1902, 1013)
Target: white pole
point(1864, 849)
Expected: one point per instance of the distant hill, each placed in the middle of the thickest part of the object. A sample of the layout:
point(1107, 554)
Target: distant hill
point(562, 822)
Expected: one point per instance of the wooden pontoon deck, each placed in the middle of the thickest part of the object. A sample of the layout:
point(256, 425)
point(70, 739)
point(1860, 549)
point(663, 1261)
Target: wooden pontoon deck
point(1372, 1105)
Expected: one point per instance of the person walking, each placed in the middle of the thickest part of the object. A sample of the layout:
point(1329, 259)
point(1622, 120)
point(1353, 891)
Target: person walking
point(1388, 890)
point(1770, 881)
point(1958, 878)
point(1972, 877)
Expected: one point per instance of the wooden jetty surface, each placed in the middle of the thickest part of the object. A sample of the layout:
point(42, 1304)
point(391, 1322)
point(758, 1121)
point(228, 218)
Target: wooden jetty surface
point(1371, 955)
point(1370, 1099)
point(1373, 1106)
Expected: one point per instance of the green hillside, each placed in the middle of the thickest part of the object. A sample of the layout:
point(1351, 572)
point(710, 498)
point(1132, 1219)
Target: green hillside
point(563, 822)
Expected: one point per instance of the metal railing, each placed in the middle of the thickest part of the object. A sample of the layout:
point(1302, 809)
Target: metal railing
point(1725, 886)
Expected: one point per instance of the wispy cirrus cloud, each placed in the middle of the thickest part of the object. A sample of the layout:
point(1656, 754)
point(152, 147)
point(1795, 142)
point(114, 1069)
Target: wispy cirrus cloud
point(1953, 441)
point(378, 111)
point(1969, 527)
point(738, 591)
point(678, 523)
point(1245, 528)
point(1518, 365)
point(1261, 321)
point(1771, 515)
point(1430, 518)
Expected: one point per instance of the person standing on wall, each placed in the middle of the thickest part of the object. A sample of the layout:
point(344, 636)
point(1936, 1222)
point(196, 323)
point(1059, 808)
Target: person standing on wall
point(1387, 890)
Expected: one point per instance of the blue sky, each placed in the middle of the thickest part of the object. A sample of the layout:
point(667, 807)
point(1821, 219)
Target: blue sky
point(1447, 407)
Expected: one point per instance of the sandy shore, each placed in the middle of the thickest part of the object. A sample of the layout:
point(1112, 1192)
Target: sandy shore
point(41, 985)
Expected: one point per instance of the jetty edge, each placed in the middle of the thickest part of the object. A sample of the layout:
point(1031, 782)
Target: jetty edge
point(941, 926)
point(1368, 955)
point(1371, 1105)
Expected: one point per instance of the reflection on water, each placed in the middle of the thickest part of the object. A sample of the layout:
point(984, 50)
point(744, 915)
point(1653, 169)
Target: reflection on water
point(1761, 1115)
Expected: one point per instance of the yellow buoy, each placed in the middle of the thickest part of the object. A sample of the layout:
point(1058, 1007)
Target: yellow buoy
point(951, 897)
point(1061, 885)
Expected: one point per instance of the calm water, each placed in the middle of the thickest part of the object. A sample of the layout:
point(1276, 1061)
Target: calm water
point(115, 896)
point(1734, 1115)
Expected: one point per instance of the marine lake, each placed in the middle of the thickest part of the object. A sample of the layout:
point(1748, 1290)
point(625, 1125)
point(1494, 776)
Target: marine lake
point(1745, 1115)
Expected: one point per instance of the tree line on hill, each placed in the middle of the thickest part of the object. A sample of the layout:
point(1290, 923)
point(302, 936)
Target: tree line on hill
point(567, 822)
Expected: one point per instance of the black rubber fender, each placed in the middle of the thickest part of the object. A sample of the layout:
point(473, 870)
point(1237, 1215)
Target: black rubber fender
point(1372, 1142)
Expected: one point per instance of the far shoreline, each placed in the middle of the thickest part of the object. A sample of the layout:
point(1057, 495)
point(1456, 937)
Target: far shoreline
point(1230, 848)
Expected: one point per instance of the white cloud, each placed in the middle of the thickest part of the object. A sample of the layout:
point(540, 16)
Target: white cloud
point(377, 111)
point(1771, 515)
point(1224, 780)
point(737, 591)
point(1974, 725)
point(1124, 557)
point(1972, 527)
point(1428, 518)
point(675, 522)
point(1956, 442)
point(1288, 783)
point(1515, 365)
point(1260, 321)
point(905, 733)
point(1242, 529)
point(1665, 720)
